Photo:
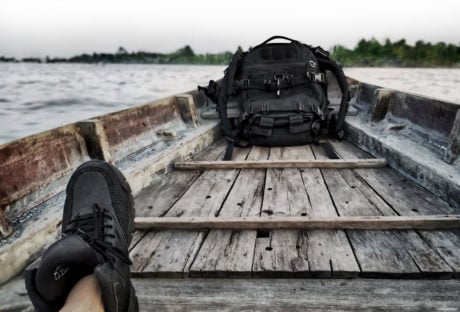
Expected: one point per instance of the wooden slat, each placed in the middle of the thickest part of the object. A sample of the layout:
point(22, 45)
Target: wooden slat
point(434, 222)
point(383, 252)
point(172, 186)
point(264, 164)
point(282, 252)
point(170, 253)
point(408, 198)
point(227, 253)
point(329, 252)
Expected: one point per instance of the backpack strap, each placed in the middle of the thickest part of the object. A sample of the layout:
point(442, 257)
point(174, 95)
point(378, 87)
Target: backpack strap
point(225, 91)
point(326, 63)
point(329, 150)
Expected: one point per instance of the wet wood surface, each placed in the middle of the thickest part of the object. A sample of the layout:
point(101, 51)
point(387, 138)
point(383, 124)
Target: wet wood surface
point(282, 193)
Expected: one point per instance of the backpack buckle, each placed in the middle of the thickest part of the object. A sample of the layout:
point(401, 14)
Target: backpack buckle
point(242, 84)
point(246, 83)
point(322, 52)
point(265, 109)
point(316, 77)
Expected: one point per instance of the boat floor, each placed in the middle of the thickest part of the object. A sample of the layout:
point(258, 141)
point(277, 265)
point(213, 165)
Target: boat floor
point(340, 270)
point(292, 192)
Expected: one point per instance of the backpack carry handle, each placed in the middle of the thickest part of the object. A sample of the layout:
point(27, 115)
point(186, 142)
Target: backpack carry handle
point(276, 37)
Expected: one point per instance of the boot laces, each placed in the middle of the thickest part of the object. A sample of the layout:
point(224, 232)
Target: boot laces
point(92, 228)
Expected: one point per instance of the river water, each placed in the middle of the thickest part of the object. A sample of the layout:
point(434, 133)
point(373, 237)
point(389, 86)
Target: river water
point(37, 97)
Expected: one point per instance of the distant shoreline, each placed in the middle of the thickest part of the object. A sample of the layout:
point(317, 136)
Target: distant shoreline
point(367, 53)
point(453, 67)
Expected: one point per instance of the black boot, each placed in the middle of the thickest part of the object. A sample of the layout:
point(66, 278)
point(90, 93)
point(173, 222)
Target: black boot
point(96, 229)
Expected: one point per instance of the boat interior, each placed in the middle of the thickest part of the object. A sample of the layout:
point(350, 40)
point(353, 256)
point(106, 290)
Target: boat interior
point(257, 269)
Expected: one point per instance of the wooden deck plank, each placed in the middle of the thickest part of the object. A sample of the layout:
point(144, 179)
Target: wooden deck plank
point(215, 294)
point(170, 253)
point(329, 252)
point(297, 295)
point(380, 252)
point(171, 186)
point(407, 198)
point(283, 253)
point(230, 253)
point(157, 199)
point(404, 193)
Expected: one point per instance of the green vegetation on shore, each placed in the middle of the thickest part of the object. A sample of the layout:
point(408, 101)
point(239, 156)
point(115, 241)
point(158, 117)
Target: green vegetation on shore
point(365, 53)
point(184, 55)
point(399, 54)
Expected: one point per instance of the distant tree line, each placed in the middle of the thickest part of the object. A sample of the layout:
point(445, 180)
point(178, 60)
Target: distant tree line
point(184, 55)
point(365, 53)
point(399, 53)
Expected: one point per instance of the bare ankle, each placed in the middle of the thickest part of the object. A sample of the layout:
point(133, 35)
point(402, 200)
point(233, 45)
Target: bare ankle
point(84, 296)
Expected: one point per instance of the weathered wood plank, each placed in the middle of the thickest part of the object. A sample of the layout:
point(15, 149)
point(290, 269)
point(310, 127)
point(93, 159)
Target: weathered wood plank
point(407, 198)
point(230, 253)
point(297, 295)
point(281, 254)
point(265, 164)
point(380, 252)
point(215, 294)
point(403, 191)
point(432, 222)
point(329, 252)
point(171, 252)
point(157, 199)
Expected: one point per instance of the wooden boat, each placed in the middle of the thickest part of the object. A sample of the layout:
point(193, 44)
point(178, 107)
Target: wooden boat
point(277, 228)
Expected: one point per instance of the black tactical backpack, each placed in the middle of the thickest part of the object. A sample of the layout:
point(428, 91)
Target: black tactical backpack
point(276, 95)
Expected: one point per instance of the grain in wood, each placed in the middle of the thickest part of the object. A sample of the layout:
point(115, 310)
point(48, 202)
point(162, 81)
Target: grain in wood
point(284, 195)
point(329, 252)
point(380, 253)
point(297, 295)
point(287, 163)
point(170, 253)
point(432, 222)
point(407, 198)
point(230, 253)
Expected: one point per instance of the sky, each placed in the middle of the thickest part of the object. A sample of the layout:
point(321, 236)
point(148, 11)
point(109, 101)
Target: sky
point(62, 28)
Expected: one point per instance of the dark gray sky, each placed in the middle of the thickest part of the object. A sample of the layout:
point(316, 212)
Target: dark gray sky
point(68, 27)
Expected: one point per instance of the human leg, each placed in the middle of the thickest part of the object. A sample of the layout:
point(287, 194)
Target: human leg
point(85, 296)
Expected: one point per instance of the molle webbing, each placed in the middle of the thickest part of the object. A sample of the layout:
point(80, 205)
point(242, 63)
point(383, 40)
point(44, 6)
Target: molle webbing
point(283, 81)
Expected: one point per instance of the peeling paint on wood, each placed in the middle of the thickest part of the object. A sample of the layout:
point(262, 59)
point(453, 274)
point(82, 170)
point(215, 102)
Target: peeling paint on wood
point(28, 164)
